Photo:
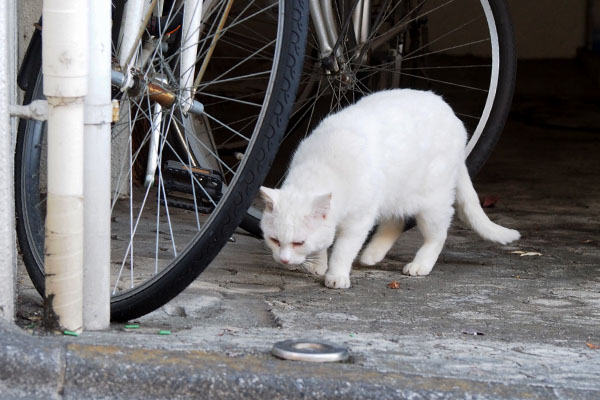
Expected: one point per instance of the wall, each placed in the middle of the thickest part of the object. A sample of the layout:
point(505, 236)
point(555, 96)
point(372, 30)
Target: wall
point(29, 12)
point(7, 211)
point(549, 28)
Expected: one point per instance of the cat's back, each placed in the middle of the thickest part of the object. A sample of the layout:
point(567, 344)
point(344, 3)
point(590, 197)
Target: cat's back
point(384, 126)
point(396, 105)
point(400, 97)
point(390, 116)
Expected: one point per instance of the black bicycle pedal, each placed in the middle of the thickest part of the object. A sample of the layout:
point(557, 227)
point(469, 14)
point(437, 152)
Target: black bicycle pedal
point(184, 183)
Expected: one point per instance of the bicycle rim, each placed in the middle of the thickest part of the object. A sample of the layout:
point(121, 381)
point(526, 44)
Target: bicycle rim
point(171, 219)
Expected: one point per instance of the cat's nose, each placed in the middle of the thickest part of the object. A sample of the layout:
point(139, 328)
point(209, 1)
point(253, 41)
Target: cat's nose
point(285, 255)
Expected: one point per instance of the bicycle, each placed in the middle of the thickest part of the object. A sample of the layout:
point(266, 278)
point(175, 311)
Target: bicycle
point(463, 50)
point(208, 178)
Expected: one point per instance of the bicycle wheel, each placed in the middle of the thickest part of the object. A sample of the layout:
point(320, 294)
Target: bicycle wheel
point(463, 50)
point(181, 181)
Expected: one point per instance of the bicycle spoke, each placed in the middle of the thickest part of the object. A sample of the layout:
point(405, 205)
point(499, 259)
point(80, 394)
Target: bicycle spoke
point(444, 67)
point(194, 179)
point(129, 251)
point(377, 69)
point(255, 75)
point(225, 99)
point(218, 80)
point(235, 100)
point(134, 227)
point(313, 100)
point(444, 36)
point(448, 48)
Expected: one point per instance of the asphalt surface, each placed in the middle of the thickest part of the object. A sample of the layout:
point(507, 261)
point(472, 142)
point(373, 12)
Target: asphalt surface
point(516, 321)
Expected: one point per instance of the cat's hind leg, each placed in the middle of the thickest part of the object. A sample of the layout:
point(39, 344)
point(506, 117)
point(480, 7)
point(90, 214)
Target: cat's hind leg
point(433, 225)
point(382, 241)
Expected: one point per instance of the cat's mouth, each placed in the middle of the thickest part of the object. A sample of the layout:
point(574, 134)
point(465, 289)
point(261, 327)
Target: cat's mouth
point(289, 258)
point(289, 263)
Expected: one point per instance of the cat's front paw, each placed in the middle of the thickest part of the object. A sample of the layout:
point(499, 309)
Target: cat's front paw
point(337, 281)
point(316, 269)
point(414, 268)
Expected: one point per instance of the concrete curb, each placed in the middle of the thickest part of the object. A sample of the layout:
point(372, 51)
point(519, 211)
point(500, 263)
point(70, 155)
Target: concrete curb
point(29, 366)
point(38, 367)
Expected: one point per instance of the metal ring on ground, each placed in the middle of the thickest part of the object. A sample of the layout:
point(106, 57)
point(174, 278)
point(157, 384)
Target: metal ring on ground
point(309, 350)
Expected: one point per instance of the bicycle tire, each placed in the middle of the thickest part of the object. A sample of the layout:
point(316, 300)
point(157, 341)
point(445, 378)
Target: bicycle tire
point(498, 114)
point(506, 87)
point(231, 208)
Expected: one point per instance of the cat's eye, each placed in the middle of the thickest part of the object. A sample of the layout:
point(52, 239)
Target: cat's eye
point(274, 241)
point(298, 244)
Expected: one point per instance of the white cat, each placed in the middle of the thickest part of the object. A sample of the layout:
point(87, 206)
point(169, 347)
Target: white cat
point(392, 155)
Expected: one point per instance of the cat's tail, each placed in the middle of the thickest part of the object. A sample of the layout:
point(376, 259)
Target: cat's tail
point(471, 213)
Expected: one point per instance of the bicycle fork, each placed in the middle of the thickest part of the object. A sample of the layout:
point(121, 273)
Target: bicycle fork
point(328, 35)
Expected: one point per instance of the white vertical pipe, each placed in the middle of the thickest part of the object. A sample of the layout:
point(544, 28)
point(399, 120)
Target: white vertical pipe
point(192, 17)
point(98, 116)
point(64, 65)
point(7, 221)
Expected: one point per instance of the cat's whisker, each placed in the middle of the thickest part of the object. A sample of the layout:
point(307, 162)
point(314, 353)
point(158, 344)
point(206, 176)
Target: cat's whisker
point(306, 266)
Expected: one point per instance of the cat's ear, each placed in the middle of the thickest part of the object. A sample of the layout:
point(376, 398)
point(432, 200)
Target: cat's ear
point(269, 197)
point(321, 206)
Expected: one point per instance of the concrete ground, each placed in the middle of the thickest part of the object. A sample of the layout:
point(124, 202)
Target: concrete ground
point(516, 321)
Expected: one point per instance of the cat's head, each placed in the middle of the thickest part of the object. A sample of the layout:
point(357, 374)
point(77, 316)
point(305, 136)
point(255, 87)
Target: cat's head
point(296, 224)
